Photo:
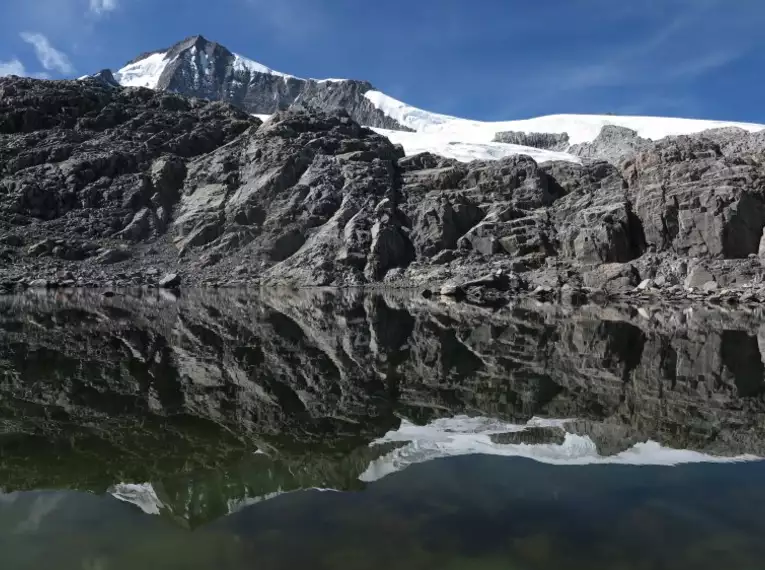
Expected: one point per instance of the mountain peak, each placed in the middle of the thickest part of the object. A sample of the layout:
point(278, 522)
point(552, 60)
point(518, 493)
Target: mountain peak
point(201, 44)
point(198, 67)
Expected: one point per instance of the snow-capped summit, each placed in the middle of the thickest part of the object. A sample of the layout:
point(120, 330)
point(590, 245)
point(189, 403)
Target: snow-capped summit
point(194, 66)
point(198, 67)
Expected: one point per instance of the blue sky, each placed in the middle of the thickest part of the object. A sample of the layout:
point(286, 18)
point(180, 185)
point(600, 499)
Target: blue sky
point(483, 59)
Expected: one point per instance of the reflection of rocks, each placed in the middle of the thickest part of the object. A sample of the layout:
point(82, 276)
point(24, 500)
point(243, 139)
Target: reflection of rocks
point(609, 438)
point(530, 436)
point(211, 375)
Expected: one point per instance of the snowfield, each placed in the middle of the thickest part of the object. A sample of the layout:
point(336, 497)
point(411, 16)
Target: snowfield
point(242, 63)
point(466, 140)
point(580, 128)
point(141, 495)
point(449, 145)
point(144, 73)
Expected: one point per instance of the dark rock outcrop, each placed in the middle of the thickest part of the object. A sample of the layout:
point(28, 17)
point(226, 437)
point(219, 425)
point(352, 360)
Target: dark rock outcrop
point(735, 141)
point(105, 77)
point(548, 141)
point(76, 158)
point(308, 197)
point(697, 202)
point(614, 144)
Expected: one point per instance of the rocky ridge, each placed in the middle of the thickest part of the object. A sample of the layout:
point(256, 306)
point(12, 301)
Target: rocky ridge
point(110, 186)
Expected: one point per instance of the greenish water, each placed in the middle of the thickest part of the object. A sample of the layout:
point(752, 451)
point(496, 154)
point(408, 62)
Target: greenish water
point(351, 431)
point(466, 512)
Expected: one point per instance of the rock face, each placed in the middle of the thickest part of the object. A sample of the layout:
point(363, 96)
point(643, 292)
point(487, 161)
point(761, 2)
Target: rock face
point(613, 144)
point(734, 141)
point(108, 183)
point(697, 202)
point(76, 158)
point(196, 67)
point(307, 197)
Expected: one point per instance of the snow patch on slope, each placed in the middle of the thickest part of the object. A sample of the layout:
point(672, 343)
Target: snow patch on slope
point(450, 146)
point(580, 128)
point(143, 73)
point(461, 435)
point(242, 63)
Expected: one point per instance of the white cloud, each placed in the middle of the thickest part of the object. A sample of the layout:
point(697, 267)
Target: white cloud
point(12, 67)
point(15, 67)
point(50, 58)
point(100, 7)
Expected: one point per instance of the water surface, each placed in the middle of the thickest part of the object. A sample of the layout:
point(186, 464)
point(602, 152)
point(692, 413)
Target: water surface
point(241, 430)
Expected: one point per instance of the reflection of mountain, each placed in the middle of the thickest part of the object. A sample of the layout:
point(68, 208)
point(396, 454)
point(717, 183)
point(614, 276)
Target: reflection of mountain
point(193, 499)
point(182, 392)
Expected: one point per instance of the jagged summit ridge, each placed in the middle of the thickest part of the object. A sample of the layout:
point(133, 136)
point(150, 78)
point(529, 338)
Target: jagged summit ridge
point(198, 67)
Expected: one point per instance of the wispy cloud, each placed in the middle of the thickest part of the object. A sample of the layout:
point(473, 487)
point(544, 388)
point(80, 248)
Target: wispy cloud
point(50, 58)
point(668, 54)
point(630, 72)
point(101, 7)
point(290, 20)
point(661, 104)
point(651, 65)
point(704, 64)
point(15, 67)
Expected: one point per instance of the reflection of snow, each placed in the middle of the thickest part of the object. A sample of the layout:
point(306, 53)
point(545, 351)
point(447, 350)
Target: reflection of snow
point(143, 496)
point(235, 505)
point(461, 435)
